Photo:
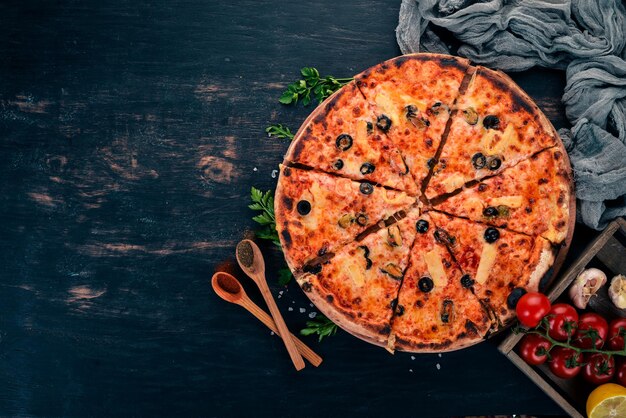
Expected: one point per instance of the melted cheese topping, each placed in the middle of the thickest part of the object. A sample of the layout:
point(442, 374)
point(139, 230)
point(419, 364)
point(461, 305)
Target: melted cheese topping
point(487, 258)
point(496, 142)
point(355, 272)
point(393, 104)
point(510, 201)
point(435, 267)
point(453, 182)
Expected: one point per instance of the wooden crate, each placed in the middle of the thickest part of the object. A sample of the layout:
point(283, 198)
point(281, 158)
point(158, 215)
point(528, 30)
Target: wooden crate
point(607, 252)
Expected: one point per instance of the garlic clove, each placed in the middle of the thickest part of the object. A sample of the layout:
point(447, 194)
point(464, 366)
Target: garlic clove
point(617, 291)
point(585, 286)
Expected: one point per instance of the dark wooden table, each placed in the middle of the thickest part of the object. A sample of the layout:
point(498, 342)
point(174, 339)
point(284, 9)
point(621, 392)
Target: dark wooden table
point(131, 134)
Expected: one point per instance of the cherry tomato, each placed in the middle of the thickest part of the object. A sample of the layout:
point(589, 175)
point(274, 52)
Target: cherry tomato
point(534, 349)
point(560, 317)
point(531, 308)
point(599, 368)
point(620, 374)
point(591, 324)
point(565, 363)
point(617, 331)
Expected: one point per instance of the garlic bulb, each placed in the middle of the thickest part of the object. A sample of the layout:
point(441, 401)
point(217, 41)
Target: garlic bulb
point(586, 285)
point(617, 291)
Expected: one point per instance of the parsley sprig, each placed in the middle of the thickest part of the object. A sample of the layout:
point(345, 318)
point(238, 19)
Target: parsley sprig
point(279, 131)
point(321, 326)
point(312, 85)
point(264, 202)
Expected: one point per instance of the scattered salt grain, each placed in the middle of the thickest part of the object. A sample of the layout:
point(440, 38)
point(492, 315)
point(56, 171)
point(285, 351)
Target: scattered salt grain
point(311, 305)
point(439, 354)
point(411, 370)
point(271, 332)
point(290, 309)
point(438, 366)
point(274, 173)
point(302, 310)
point(412, 357)
point(293, 301)
point(255, 169)
point(312, 315)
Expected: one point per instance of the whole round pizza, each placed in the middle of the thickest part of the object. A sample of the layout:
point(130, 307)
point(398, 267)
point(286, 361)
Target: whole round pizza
point(417, 204)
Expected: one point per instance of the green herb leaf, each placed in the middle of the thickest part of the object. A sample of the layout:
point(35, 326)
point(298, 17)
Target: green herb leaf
point(312, 85)
point(284, 276)
point(264, 203)
point(279, 131)
point(321, 326)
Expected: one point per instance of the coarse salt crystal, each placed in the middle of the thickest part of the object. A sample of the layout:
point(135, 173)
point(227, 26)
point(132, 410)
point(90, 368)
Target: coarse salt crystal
point(412, 357)
point(438, 366)
point(302, 310)
point(312, 315)
point(274, 173)
point(290, 309)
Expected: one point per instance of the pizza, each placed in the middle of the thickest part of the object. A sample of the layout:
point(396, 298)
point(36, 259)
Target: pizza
point(343, 136)
point(419, 202)
point(317, 212)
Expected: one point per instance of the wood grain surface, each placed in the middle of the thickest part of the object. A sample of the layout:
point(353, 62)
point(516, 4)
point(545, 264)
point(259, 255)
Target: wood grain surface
point(131, 134)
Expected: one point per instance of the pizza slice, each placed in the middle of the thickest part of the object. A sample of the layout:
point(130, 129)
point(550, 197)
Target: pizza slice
point(343, 137)
point(434, 312)
point(533, 197)
point(412, 96)
point(498, 264)
point(356, 289)
point(495, 126)
point(316, 212)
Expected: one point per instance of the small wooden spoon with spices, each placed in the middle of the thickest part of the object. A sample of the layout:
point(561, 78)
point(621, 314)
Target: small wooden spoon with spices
point(251, 261)
point(228, 288)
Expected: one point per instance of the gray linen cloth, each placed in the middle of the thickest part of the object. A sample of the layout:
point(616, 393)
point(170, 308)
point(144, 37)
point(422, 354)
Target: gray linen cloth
point(586, 38)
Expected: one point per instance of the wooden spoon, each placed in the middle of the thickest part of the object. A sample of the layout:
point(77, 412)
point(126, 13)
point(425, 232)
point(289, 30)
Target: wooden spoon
point(251, 261)
point(228, 288)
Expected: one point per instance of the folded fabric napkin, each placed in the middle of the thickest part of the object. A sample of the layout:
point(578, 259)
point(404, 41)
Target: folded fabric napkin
point(586, 38)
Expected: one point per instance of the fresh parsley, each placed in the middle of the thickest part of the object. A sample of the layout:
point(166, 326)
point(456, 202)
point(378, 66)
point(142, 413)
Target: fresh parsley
point(264, 202)
point(284, 276)
point(279, 131)
point(312, 85)
point(321, 326)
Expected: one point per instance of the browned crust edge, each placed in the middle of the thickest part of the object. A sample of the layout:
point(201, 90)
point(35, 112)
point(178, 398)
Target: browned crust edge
point(343, 321)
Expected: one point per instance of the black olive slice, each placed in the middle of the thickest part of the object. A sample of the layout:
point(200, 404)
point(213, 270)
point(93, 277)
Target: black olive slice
point(479, 160)
point(470, 116)
point(421, 226)
point(366, 253)
point(467, 281)
point(367, 168)
point(366, 188)
point(494, 163)
point(344, 142)
point(338, 165)
point(491, 235)
point(514, 297)
point(490, 212)
point(383, 123)
point(425, 284)
point(361, 219)
point(446, 311)
point(304, 207)
point(491, 122)
point(370, 128)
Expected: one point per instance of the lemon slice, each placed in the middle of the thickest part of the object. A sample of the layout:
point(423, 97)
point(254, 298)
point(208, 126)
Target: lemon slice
point(607, 401)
